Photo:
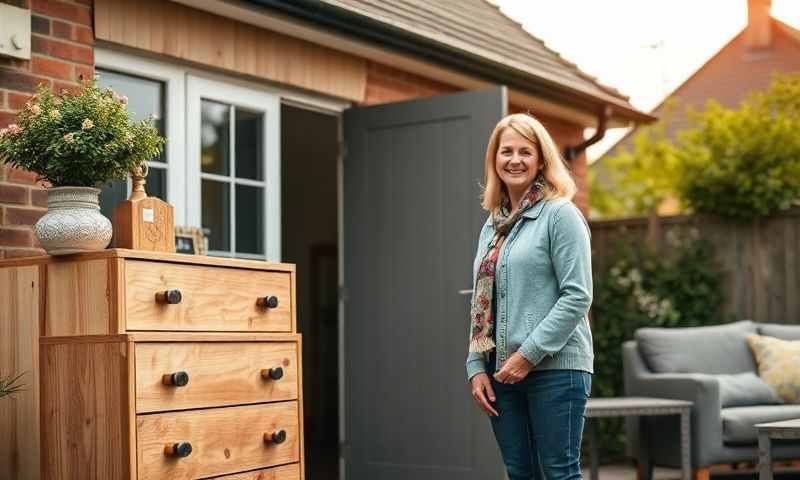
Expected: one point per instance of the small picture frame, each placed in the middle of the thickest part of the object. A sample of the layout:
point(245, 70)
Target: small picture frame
point(190, 240)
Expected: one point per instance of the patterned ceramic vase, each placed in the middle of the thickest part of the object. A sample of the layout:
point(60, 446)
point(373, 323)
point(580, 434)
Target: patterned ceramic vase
point(73, 222)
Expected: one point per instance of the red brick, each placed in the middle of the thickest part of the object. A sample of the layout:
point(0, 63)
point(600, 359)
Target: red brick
point(51, 67)
point(20, 81)
point(83, 35)
point(83, 73)
point(72, 52)
point(39, 197)
point(17, 175)
point(39, 44)
point(66, 11)
point(2, 254)
point(13, 194)
point(16, 237)
point(40, 25)
point(23, 216)
point(17, 101)
point(23, 252)
point(62, 29)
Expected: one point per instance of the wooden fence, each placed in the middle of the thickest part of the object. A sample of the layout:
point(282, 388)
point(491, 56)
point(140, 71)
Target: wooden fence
point(760, 262)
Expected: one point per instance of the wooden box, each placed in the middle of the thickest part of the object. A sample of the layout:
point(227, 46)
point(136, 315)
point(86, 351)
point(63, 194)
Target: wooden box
point(148, 365)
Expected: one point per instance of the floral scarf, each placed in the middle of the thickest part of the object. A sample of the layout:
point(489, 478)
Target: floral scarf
point(481, 310)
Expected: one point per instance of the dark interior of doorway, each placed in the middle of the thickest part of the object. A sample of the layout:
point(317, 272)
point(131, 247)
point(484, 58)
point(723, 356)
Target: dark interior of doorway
point(309, 151)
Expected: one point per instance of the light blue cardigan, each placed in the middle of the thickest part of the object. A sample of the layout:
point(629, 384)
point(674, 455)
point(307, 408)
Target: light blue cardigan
point(544, 289)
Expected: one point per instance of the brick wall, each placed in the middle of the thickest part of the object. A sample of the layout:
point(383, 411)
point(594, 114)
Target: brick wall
point(61, 53)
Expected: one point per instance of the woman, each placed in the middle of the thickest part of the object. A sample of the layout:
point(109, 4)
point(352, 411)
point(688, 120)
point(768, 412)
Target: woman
point(530, 353)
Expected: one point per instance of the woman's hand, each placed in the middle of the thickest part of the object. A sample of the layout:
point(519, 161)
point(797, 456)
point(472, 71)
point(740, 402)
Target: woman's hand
point(483, 393)
point(515, 369)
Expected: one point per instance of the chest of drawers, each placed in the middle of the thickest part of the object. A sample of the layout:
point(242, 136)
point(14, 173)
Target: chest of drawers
point(160, 366)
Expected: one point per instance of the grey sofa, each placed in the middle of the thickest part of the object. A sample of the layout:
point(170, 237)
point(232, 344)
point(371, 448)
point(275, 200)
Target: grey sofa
point(684, 363)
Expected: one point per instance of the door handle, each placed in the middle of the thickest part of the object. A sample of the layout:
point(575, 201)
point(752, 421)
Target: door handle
point(465, 292)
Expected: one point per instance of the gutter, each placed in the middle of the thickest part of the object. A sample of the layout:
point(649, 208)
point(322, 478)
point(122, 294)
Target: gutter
point(364, 28)
point(570, 153)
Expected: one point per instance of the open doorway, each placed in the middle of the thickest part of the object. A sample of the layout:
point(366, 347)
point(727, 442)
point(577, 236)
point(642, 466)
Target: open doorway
point(309, 154)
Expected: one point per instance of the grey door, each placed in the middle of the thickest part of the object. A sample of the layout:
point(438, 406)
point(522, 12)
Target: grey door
point(411, 220)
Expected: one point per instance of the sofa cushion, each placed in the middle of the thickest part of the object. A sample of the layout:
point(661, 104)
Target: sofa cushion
point(738, 423)
point(714, 349)
point(778, 364)
point(744, 389)
point(784, 332)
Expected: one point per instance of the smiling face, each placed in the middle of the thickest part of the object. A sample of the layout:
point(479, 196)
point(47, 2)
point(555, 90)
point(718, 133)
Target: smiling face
point(516, 162)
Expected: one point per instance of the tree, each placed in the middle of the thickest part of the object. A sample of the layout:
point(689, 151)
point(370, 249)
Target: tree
point(744, 163)
point(641, 179)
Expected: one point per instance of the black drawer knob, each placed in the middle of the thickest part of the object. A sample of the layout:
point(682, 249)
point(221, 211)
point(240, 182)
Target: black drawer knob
point(272, 373)
point(177, 379)
point(270, 301)
point(178, 450)
point(276, 437)
point(169, 297)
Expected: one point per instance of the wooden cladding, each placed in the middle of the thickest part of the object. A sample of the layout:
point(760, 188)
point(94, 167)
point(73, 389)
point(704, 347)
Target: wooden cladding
point(178, 31)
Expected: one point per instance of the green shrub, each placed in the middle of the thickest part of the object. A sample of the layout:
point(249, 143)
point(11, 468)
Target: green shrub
point(744, 163)
point(79, 139)
point(641, 288)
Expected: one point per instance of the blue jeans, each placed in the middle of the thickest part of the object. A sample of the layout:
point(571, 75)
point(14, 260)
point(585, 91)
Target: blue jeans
point(540, 424)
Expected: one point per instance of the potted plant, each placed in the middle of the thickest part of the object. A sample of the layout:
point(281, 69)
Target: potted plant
point(76, 141)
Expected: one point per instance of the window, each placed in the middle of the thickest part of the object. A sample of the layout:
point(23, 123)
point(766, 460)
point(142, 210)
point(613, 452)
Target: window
point(145, 99)
point(234, 156)
point(232, 173)
point(221, 165)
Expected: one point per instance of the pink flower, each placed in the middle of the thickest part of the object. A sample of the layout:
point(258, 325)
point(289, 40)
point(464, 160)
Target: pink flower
point(69, 137)
point(121, 99)
point(87, 124)
point(14, 129)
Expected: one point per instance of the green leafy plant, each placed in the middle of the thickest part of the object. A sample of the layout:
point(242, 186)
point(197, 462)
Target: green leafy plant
point(80, 139)
point(10, 385)
point(744, 163)
point(636, 182)
point(680, 288)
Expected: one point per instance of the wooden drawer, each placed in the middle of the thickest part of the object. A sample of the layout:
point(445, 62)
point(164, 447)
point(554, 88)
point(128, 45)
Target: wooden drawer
point(285, 472)
point(212, 298)
point(219, 374)
point(223, 440)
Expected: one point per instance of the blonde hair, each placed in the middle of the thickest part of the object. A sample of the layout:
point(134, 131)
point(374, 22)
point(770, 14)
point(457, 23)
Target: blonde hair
point(558, 181)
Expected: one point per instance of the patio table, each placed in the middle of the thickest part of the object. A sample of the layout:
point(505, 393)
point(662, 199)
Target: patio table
point(639, 407)
point(784, 430)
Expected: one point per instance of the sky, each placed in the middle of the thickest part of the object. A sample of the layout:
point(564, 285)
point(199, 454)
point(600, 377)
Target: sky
point(643, 48)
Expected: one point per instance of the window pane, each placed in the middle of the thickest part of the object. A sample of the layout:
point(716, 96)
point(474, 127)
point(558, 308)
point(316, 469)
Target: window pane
point(145, 98)
point(249, 219)
point(156, 183)
point(215, 137)
point(249, 144)
point(215, 213)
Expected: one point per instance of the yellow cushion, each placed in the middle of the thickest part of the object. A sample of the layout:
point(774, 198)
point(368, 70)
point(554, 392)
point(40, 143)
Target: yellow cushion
point(778, 365)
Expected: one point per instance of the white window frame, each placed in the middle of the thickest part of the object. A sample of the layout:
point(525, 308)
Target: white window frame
point(198, 89)
point(183, 182)
point(174, 126)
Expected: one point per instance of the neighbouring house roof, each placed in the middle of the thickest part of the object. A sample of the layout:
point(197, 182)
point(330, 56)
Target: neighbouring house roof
point(470, 35)
point(727, 77)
